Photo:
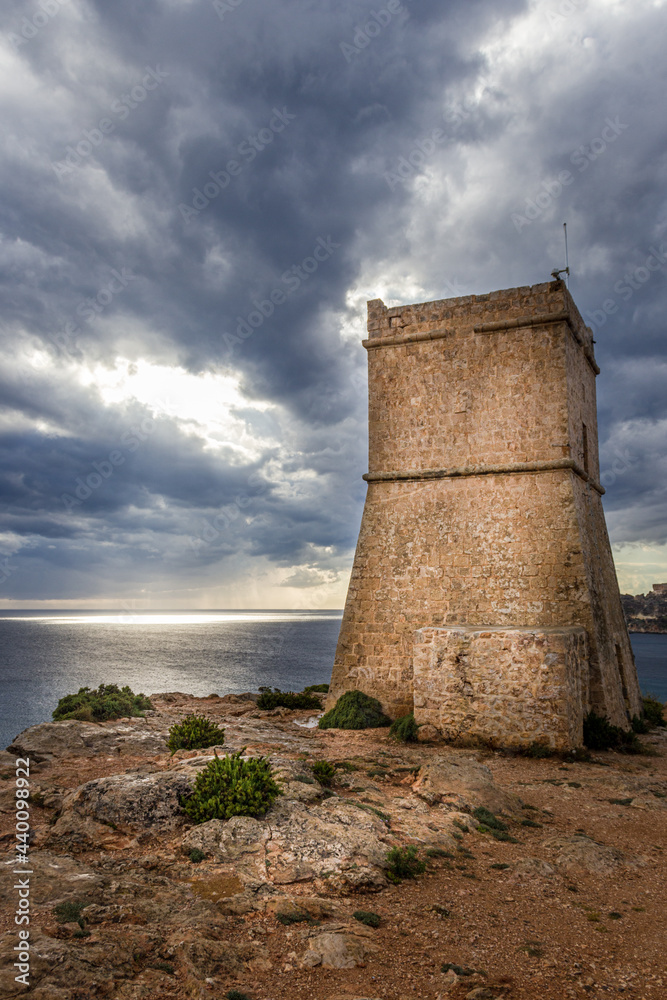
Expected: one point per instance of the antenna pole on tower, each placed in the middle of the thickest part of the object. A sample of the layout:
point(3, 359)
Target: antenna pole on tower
point(556, 273)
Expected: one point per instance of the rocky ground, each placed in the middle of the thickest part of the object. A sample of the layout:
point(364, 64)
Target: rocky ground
point(571, 906)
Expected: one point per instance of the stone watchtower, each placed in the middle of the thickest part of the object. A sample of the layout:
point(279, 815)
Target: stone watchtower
point(483, 593)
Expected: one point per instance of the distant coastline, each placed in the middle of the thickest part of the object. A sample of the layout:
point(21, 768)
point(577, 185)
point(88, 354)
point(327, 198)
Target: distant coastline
point(647, 613)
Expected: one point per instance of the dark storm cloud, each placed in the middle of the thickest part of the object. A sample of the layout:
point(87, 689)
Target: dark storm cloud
point(205, 185)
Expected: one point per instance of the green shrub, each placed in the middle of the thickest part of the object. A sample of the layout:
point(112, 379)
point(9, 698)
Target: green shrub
point(317, 689)
point(367, 807)
point(287, 699)
point(404, 862)
point(654, 711)
point(639, 724)
point(489, 823)
point(194, 732)
point(405, 729)
point(163, 967)
point(231, 786)
point(294, 917)
point(324, 772)
point(236, 995)
point(600, 734)
point(538, 751)
point(69, 913)
point(196, 856)
point(107, 702)
point(355, 710)
point(487, 818)
point(367, 917)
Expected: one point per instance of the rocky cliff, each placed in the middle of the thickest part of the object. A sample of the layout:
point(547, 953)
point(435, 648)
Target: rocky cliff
point(646, 612)
point(129, 899)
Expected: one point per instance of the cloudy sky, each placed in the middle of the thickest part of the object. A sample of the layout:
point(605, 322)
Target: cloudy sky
point(199, 197)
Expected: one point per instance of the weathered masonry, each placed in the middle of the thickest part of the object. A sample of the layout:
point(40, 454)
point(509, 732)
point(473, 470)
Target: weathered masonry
point(483, 593)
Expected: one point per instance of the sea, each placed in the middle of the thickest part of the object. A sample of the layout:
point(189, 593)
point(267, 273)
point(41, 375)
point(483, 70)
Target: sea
point(46, 655)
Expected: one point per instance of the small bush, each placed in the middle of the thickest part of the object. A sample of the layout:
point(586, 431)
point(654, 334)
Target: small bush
point(316, 689)
point(405, 729)
point(163, 967)
point(489, 823)
point(438, 852)
point(538, 751)
point(600, 734)
point(355, 710)
point(324, 772)
point(195, 732)
point(498, 834)
point(69, 913)
point(287, 699)
point(367, 917)
point(487, 818)
point(367, 807)
point(404, 862)
point(196, 856)
point(231, 786)
point(236, 995)
point(294, 917)
point(654, 711)
point(107, 702)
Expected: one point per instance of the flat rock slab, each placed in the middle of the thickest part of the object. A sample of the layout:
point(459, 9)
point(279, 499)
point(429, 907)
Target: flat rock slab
point(337, 949)
point(463, 785)
point(582, 852)
point(55, 740)
point(55, 878)
point(127, 802)
point(300, 842)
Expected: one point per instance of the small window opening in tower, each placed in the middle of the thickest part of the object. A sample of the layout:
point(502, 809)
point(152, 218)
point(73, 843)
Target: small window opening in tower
point(585, 446)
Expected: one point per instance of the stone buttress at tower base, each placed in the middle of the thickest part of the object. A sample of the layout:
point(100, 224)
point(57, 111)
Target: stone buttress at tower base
point(506, 686)
point(483, 594)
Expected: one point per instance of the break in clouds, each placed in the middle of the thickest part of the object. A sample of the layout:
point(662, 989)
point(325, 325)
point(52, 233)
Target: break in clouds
point(198, 199)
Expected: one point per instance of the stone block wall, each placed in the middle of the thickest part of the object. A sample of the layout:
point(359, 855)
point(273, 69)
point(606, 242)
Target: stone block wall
point(507, 687)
